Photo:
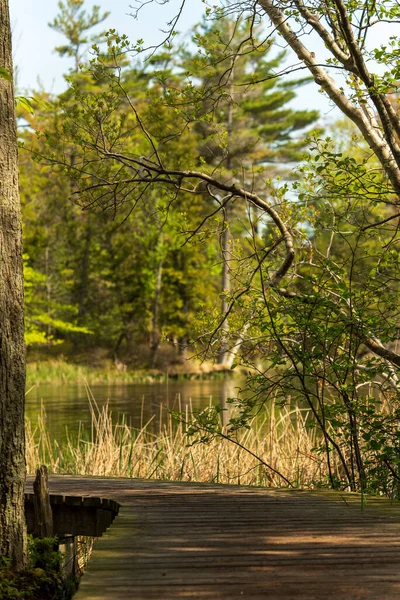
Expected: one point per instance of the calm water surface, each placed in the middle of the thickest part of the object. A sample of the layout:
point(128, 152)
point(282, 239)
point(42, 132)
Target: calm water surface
point(67, 405)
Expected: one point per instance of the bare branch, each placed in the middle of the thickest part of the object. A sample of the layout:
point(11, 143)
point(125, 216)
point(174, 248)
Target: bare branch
point(378, 223)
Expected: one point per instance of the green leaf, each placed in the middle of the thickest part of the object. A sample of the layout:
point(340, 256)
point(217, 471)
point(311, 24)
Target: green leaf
point(4, 74)
point(25, 103)
point(375, 444)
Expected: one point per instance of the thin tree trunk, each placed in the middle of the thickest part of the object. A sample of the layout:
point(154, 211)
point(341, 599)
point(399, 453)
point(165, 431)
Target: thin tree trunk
point(225, 243)
point(86, 223)
point(48, 294)
point(226, 286)
point(155, 333)
point(12, 347)
point(227, 391)
point(235, 348)
point(84, 282)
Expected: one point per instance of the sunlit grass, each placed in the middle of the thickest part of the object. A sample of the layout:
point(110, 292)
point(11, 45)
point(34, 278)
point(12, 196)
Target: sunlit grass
point(284, 440)
point(60, 372)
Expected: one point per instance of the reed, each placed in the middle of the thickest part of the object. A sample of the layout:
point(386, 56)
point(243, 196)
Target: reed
point(283, 439)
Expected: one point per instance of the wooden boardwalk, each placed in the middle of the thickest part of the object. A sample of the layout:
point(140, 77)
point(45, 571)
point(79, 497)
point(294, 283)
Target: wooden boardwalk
point(183, 540)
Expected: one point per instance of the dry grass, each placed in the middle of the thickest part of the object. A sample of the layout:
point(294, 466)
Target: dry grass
point(284, 440)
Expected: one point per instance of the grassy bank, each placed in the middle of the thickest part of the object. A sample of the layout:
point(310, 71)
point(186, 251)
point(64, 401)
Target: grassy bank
point(286, 443)
point(61, 372)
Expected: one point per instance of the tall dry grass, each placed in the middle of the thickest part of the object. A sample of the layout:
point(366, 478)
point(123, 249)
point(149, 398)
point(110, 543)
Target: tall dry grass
point(284, 440)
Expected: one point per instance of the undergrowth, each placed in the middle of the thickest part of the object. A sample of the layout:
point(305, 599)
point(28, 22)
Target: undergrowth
point(42, 579)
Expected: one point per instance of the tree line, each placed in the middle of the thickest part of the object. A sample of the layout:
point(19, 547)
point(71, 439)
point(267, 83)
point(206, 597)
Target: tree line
point(96, 276)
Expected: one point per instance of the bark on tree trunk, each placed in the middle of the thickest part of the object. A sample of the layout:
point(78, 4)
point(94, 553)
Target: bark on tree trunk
point(155, 333)
point(12, 347)
point(84, 282)
point(226, 287)
point(226, 238)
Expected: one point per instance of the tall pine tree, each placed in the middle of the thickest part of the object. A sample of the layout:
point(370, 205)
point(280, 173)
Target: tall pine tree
point(245, 120)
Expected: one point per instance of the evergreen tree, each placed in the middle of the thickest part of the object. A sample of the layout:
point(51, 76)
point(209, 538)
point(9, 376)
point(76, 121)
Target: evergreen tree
point(245, 122)
point(75, 23)
point(129, 282)
point(160, 293)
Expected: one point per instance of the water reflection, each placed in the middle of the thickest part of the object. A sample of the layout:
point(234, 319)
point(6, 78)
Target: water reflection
point(68, 405)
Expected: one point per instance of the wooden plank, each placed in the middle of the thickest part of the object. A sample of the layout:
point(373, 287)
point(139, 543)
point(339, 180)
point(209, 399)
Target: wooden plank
point(181, 540)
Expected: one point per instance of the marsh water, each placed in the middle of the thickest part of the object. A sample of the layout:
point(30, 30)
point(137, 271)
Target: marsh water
point(67, 406)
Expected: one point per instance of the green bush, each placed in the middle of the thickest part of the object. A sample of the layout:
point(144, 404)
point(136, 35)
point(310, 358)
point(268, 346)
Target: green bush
point(43, 578)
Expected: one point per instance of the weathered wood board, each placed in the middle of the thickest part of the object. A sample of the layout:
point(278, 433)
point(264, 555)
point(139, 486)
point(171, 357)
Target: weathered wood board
point(184, 540)
point(74, 515)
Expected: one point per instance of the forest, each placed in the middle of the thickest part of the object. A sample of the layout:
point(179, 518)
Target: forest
point(109, 272)
point(181, 214)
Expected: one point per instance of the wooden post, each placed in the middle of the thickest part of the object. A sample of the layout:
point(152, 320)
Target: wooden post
point(69, 548)
point(43, 512)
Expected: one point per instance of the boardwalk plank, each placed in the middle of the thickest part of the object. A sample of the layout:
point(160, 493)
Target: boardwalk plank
point(182, 540)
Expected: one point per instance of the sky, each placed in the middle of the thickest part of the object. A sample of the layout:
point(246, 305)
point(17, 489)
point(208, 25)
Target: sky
point(34, 41)
point(37, 62)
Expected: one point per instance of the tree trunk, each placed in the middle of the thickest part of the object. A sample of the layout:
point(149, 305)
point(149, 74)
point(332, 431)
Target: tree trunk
point(12, 347)
point(48, 295)
point(226, 239)
point(226, 286)
point(155, 333)
point(235, 347)
point(84, 282)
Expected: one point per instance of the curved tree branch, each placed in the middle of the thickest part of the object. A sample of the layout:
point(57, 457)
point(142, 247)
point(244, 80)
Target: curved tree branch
point(158, 172)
